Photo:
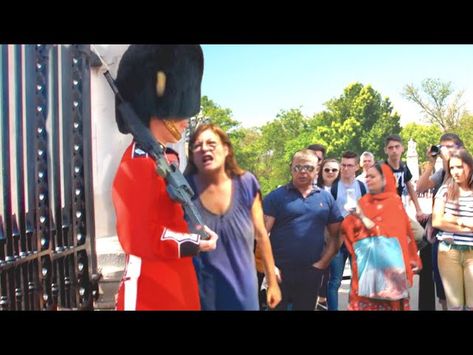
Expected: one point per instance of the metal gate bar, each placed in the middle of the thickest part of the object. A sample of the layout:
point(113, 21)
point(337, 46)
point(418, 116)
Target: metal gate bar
point(47, 239)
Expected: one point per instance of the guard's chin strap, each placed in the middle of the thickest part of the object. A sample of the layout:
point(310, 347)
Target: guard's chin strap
point(172, 128)
point(160, 89)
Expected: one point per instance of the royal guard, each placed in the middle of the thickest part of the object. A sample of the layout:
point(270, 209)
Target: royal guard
point(162, 84)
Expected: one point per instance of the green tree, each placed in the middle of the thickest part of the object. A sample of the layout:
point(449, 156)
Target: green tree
point(210, 112)
point(334, 134)
point(464, 129)
point(248, 150)
point(276, 148)
point(434, 103)
point(253, 155)
point(360, 119)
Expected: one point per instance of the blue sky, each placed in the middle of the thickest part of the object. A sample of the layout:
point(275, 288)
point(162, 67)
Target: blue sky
point(257, 81)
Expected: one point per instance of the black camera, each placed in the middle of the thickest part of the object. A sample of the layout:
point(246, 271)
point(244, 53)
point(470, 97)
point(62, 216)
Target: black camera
point(435, 150)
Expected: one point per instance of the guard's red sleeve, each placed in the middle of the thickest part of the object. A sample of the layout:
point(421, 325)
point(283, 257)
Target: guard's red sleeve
point(149, 224)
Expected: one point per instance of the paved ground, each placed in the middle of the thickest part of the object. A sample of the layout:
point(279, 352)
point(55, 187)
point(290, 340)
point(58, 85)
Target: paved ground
point(345, 289)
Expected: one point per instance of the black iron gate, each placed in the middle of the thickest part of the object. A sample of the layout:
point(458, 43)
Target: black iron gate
point(47, 241)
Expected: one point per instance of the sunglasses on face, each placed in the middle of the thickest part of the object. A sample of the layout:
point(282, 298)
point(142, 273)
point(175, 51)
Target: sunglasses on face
point(328, 170)
point(200, 145)
point(300, 168)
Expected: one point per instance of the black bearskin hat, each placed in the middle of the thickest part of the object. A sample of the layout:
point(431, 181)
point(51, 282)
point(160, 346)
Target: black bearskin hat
point(160, 80)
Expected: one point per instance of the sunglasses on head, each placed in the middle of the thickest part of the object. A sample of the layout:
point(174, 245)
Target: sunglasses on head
point(299, 168)
point(328, 170)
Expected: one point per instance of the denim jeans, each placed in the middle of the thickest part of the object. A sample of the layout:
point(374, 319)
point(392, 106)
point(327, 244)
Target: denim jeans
point(337, 266)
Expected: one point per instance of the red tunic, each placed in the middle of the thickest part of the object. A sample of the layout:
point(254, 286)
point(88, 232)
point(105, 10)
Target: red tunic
point(159, 272)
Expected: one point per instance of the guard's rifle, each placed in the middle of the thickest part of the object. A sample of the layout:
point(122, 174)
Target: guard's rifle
point(177, 185)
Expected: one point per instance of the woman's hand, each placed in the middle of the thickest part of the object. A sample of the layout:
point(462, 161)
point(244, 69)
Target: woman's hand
point(208, 244)
point(449, 218)
point(415, 267)
point(358, 212)
point(465, 222)
point(468, 222)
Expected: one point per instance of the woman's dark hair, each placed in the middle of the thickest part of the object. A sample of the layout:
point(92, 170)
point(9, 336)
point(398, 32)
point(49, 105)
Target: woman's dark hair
point(318, 148)
point(231, 166)
point(378, 167)
point(320, 179)
point(452, 137)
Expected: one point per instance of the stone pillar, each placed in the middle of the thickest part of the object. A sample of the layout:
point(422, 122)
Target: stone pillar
point(413, 160)
point(108, 144)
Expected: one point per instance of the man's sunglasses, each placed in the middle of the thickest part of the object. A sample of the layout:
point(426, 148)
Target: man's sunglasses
point(300, 168)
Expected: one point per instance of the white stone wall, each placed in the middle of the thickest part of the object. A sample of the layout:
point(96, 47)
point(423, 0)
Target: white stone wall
point(108, 143)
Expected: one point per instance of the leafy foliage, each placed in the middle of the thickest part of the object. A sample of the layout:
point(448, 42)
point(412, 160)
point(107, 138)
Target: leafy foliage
point(464, 129)
point(277, 144)
point(211, 112)
point(358, 120)
point(434, 103)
